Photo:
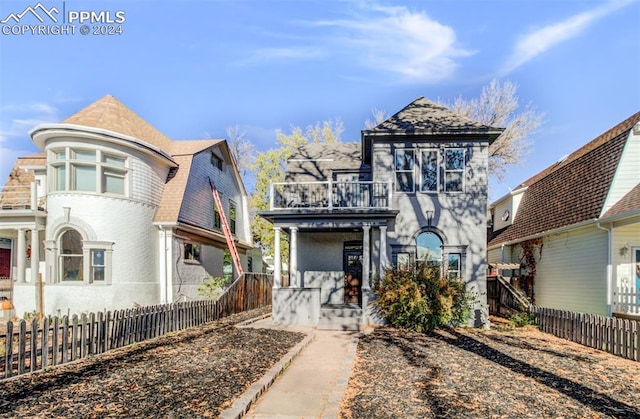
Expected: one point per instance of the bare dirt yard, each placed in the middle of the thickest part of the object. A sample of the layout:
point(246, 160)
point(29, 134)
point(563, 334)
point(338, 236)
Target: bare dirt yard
point(505, 372)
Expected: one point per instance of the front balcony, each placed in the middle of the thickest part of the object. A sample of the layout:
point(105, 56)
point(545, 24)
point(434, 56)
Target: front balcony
point(21, 198)
point(330, 195)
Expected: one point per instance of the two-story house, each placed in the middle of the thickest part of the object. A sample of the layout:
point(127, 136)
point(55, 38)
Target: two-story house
point(575, 227)
point(414, 189)
point(113, 214)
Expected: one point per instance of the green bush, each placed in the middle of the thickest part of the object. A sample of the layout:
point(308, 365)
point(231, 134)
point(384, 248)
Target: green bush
point(422, 300)
point(212, 288)
point(522, 318)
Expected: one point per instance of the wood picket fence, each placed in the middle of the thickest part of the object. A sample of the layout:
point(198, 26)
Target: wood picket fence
point(617, 336)
point(30, 346)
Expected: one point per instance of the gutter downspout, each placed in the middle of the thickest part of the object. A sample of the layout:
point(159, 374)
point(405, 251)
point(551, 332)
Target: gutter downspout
point(609, 270)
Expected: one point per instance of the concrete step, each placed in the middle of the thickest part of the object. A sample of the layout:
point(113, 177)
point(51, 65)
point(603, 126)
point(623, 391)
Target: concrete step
point(340, 318)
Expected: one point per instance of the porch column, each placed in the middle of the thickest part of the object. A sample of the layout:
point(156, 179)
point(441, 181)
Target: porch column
point(366, 256)
point(293, 258)
point(277, 278)
point(35, 256)
point(21, 256)
point(384, 262)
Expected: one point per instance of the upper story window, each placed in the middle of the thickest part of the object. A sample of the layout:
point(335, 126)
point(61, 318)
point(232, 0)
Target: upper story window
point(232, 217)
point(404, 166)
point(438, 170)
point(216, 161)
point(454, 170)
point(74, 169)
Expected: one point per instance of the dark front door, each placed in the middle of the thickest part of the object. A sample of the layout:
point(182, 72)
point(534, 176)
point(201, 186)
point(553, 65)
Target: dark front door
point(5, 263)
point(352, 272)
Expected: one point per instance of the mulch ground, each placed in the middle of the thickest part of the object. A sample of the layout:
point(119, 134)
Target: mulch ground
point(500, 373)
point(193, 373)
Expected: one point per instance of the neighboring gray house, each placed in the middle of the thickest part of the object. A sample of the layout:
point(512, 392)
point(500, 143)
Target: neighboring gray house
point(113, 213)
point(580, 220)
point(414, 188)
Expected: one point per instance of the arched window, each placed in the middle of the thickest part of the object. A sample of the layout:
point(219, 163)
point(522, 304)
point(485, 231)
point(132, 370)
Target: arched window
point(70, 259)
point(429, 248)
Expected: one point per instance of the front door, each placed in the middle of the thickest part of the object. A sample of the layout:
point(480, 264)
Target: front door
point(352, 266)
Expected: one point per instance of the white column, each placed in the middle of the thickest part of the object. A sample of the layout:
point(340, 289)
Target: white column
point(35, 255)
point(384, 261)
point(277, 276)
point(21, 256)
point(366, 256)
point(293, 258)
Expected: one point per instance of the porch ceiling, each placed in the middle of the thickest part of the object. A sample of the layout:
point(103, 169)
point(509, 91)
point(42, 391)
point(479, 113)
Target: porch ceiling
point(328, 218)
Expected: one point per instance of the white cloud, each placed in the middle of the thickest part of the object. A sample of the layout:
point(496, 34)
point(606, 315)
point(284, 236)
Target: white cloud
point(282, 54)
point(388, 39)
point(400, 41)
point(18, 119)
point(545, 38)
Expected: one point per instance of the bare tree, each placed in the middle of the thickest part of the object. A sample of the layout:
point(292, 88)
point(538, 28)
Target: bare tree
point(242, 149)
point(379, 116)
point(498, 106)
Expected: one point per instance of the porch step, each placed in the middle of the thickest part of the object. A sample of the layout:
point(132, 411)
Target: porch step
point(340, 317)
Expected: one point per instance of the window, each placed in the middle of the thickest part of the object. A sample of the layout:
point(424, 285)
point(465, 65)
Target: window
point(192, 252)
point(71, 259)
point(216, 217)
point(216, 161)
point(403, 261)
point(232, 217)
point(97, 265)
point(88, 171)
point(404, 159)
point(429, 171)
point(454, 265)
point(429, 248)
point(454, 170)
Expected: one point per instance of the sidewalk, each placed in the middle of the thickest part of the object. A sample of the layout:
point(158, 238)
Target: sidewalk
point(308, 382)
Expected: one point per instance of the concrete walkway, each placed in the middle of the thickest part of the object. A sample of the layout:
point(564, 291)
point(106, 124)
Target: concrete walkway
point(308, 382)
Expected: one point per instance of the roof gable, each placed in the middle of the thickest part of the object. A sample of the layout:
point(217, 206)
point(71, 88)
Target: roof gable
point(317, 161)
point(17, 189)
point(425, 116)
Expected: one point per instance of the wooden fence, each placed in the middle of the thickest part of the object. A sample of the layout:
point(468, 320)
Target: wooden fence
point(503, 298)
point(617, 336)
point(29, 346)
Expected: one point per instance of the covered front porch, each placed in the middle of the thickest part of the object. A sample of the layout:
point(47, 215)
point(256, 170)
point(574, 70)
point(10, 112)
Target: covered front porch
point(331, 261)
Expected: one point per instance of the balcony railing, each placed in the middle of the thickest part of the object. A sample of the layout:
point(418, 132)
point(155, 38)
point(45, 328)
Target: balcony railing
point(330, 195)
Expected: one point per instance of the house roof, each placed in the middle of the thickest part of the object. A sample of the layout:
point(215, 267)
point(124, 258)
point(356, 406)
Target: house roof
point(628, 203)
point(174, 189)
point(110, 114)
point(17, 189)
point(186, 147)
point(316, 161)
point(571, 191)
point(427, 117)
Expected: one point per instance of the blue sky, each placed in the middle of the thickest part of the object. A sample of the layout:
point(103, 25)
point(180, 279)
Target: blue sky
point(194, 68)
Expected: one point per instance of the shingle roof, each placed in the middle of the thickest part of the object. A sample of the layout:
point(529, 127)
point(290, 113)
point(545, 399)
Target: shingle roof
point(17, 189)
point(425, 116)
point(316, 161)
point(174, 189)
point(629, 202)
point(110, 114)
point(571, 191)
point(185, 147)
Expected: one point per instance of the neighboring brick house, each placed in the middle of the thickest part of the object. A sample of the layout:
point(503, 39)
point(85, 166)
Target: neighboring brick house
point(115, 214)
point(414, 189)
point(581, 219)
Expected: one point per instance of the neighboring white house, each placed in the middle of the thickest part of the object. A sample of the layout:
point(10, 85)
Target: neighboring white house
point(580, 220)
point(414, 188)
point(114, 214)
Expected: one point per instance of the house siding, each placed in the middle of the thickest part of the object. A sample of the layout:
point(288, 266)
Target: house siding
point(571, 271)
point(197, 207)
point(627, 174)
point(625, 240)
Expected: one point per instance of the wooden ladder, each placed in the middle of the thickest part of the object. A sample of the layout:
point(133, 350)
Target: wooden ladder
point(227, 231)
